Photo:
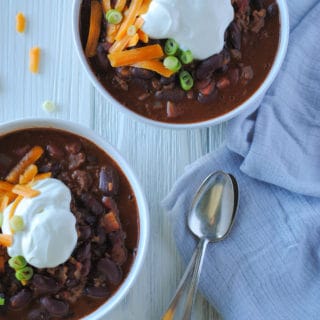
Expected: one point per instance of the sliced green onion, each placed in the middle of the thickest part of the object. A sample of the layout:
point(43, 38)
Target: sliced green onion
point(1, 219)
point(171, 47)
point(132, 30)
point(186, 80)
point(17, 262)
point(24, 274)
point(172, 63)
point(17, 223)
point(186, 57)
point(114, 16)
point(2, 301)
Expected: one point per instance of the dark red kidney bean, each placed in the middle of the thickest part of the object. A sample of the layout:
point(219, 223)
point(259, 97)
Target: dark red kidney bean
point(272, 10)
point(142, 73)
point(209, 89)
point(97, 292)
point(55, 152)
point(203, 83)
point(257, 4)
point(236, 54)
point(223, 83)
point(55, 307)
point(109, 268)
point(5, 164)
point(101, 234)
point(38, 314)
point(71, 283)
point(21, 151)
point(101, 58)
point(124, 72)
point(83, 179)
point(86, 266)
point(235, 36)
point(165, 80)
point(174, 95)
point(243, 5)
point(84, 252)
point(92, 204)
point(74, 147)
point(76, 160)
point(109, 181)
point(119, 254)
point(90, 219)
point(207, 98)
point(21, 299)
point(44, 285)
point(156, 85)
point(84, 232)
point(207, 67)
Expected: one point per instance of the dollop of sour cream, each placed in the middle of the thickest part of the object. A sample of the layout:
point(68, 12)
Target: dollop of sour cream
point(197, 25)
point(49, 235)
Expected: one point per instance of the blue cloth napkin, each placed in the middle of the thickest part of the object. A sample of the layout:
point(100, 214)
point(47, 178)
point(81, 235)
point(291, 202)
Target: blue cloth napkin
point(269, 266)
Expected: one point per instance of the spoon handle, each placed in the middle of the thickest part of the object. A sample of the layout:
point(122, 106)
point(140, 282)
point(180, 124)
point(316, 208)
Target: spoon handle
point(181, 305)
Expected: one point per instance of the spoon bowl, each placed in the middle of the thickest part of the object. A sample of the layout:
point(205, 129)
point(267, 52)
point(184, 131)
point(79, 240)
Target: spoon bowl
point(210, 218)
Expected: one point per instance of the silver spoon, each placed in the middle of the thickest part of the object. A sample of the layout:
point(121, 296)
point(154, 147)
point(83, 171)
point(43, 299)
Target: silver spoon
point(211, 217)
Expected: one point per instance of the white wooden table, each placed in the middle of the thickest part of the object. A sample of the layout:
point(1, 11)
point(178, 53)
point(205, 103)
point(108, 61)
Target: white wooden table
point(158, 156)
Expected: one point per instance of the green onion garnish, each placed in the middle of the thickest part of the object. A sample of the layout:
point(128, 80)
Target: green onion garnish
point(132, 30)
point(17, 223)
point(171, 47)
point(172, 63)
point(2, 301)
point(17, 262)
point(186, 80)
point(24, 274)
point(114, 16)
point(186, 57)
point(1, 219)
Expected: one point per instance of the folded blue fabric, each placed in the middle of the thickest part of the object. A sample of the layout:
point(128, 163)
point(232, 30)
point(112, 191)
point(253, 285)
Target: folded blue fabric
point(269, 266)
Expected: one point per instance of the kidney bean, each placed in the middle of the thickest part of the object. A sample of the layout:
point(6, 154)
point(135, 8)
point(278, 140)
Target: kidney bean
point(101, 234)
point(119, 254)
point(84, 232)
point(101, 59)
point(55, 152)
point(21, 299)
point(207, 67)
point(38, 314)
point(202, 98)
point(109, 268)
point(83, 178)
point(5, 164)
point(86, 266)
point(84, 252)
point(208, 89)
point(165, 80)
point(55, 307)
point(257, 4)
point(234, 75)
point(74, 147)
point(236, 54)
point(76, 160)
point(97, 292)
point(247, 73)
point(174, 95)
point(272, 10)
point(156, 85)
point(223, 83)
point(44, 285)
point(124, 72)
point(142, 73)
point(109, 181)
point(92, 204)
point(21, 151)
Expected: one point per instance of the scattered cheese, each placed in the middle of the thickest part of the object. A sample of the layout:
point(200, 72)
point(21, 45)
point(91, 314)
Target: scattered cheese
point(20, 22)
point(34, 59)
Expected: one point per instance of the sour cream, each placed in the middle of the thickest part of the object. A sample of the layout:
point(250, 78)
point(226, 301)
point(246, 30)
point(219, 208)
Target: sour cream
point(49, 235)
point(197, 25)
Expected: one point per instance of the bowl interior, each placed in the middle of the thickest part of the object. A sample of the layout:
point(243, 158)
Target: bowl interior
point(140, 198)
point(250, 104)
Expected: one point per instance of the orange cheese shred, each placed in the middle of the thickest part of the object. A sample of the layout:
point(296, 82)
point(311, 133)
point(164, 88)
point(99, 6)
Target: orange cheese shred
point(6, 240)
point(6, 186)
point(129, 57)
point(120, 4)
point(28, 175)
point(106, 5)
point(14, 206)
point(154, 65)
point(4, 201)
point(25, 191)
point(143, 36)
point(94, 29)
point(20, 22)
point(42, 176)
point(29, 158)
point(34, 62)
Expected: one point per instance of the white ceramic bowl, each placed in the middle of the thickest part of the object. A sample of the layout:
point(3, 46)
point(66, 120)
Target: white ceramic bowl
point(250, 104)
point(86, 133)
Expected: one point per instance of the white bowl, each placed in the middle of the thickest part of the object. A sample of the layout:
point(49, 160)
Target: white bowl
point(250, 104)
point(86, 133)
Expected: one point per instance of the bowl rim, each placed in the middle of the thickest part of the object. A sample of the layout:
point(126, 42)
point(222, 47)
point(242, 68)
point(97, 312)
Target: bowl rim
point(144, 222)
point(248, 104)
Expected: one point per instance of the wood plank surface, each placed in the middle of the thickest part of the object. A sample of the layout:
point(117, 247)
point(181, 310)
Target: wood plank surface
point(158, 156)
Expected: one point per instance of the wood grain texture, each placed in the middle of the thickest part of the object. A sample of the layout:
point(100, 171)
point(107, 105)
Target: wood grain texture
point(158, 156)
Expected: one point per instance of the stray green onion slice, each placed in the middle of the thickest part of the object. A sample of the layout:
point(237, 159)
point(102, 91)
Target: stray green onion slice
point(17, 223)
point(132, 30)
point(2, 301)
point(172, 63)
point(186, 80)
point(1, 219)
point(114, 16)
point(24, 274)
point(171, 47)
point(186, 57)
point(17, 262)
